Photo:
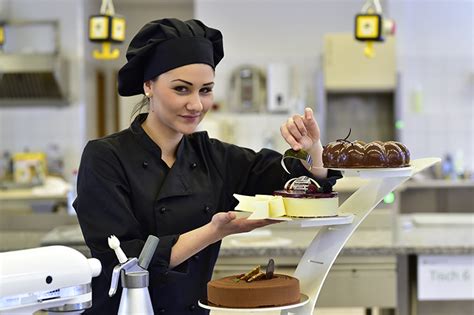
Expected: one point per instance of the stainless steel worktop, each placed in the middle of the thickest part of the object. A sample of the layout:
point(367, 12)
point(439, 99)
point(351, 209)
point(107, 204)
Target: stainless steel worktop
point(408, 235)
point(368, 264)
point(450, 234)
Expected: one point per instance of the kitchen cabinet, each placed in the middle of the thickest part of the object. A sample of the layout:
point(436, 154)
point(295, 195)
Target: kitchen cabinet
point(376, 268)
point(346, 68)
point(436, 195)
point(408, 302)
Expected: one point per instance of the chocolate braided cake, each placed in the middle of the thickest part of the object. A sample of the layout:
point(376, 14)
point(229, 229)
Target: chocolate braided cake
point(358, 154)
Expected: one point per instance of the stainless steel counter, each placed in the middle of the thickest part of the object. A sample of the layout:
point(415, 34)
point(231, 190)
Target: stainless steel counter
point(414, 234)
point(371, 270)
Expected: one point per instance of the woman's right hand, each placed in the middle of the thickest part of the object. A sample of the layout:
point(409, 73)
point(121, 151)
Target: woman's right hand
point(227, 223)
point(221, 225)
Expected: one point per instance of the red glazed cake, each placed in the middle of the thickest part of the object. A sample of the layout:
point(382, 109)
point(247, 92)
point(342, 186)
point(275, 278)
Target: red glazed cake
point(358, 154)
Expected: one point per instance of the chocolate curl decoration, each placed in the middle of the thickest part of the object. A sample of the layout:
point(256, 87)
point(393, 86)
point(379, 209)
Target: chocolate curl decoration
point(345, 139)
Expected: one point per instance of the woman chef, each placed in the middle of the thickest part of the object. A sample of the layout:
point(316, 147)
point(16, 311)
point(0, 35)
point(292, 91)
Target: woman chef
point(161, 177)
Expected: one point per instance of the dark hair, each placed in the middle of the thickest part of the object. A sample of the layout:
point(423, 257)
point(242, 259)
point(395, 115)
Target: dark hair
point(137, 109)
point(145, 102)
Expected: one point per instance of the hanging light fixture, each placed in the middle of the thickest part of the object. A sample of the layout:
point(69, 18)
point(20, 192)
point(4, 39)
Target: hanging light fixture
point(2, 34)
point(106, 28)
point(370, 26)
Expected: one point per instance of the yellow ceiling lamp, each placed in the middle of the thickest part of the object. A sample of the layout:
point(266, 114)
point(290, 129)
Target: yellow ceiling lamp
point(2, 34)
point(106, 28)
point(370, 26)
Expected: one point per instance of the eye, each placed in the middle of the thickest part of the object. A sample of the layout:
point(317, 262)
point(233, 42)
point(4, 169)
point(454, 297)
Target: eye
point(181, 89)
point(206, 90)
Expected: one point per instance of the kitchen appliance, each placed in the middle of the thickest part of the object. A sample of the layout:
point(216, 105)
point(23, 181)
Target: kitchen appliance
point(133, 272)
point(278, 87)
point(248, 94)
point(29, 77)
point(52, 278)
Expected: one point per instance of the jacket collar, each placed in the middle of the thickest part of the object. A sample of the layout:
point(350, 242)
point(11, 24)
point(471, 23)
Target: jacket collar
point(178, 181)
point(145, 141)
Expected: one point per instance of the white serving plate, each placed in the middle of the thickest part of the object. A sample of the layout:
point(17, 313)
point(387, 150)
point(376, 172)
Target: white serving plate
point(341, 218)
point(303, 300)
point(375, 172)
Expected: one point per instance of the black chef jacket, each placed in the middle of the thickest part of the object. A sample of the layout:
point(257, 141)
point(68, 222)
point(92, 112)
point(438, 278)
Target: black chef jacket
point(126, 189)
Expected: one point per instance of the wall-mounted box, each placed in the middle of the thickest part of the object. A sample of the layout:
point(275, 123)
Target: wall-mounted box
point(346, 68)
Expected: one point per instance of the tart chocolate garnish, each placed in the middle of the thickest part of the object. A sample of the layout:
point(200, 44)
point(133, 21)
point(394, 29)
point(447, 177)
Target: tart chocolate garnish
point(256, 274)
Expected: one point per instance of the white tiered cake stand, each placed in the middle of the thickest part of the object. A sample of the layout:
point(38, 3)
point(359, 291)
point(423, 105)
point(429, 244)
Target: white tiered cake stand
point(333, 234)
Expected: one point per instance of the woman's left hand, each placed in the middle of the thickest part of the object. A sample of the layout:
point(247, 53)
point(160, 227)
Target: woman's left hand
point(301, 132)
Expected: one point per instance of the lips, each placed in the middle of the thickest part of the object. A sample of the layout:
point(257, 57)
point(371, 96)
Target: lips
point(191, 118)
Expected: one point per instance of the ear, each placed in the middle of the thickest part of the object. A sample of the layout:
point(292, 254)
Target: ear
point(147, 87)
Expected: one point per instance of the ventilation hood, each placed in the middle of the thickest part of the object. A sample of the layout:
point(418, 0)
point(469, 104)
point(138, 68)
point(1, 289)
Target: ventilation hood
point(33, 79)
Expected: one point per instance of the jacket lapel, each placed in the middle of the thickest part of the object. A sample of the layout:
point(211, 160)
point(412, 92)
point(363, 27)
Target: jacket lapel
point(178, 181)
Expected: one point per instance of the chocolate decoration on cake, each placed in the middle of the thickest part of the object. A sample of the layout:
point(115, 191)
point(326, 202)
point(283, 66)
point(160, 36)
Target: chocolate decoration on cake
point(358, 154)
point(249, 275)
point(303, 187)
point(270, 269)
point(300, 155)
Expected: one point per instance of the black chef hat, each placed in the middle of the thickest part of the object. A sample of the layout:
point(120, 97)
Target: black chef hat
point(166, 44)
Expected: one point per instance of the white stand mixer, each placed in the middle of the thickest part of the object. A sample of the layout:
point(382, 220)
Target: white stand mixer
point(53, 278)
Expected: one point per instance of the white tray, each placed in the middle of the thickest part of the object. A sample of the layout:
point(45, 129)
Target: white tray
point(375, 172)
point(342, 218)
point(303, 300)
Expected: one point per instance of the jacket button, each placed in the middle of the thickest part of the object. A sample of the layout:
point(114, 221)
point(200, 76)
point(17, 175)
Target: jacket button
point(161, 310)
point(207, 209)
point(193, 165)
point(192, 307)
point(196, 257)
point(162, 209)
point(145, 164)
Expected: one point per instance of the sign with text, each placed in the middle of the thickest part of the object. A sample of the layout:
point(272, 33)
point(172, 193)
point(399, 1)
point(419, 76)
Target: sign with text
point(445, 277)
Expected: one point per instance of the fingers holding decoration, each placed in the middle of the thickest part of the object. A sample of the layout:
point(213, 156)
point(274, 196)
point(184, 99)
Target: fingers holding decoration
point(289, 138)
point(299, 127)
point(301, 131)
point(311, 124)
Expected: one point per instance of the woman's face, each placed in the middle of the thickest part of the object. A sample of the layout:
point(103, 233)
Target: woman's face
point(181, 97)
